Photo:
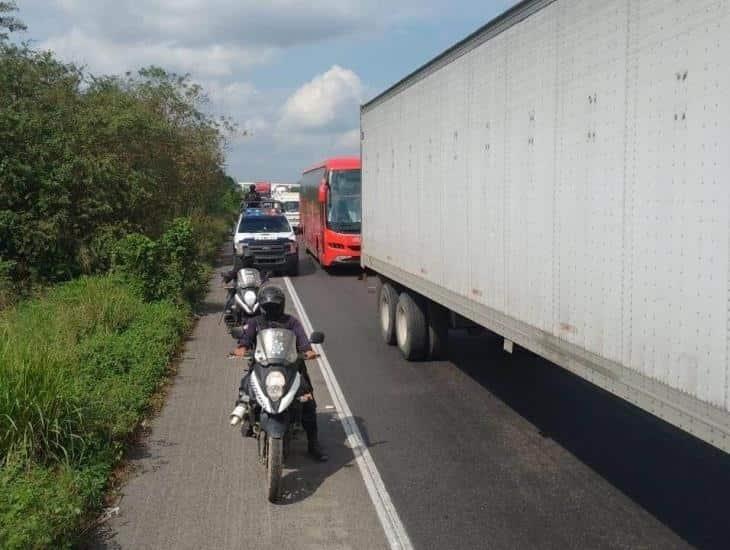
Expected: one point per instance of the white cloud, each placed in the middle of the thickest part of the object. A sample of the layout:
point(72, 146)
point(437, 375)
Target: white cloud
point(103, 56)
point(208, 38)
point(277, 23)
point(232, 96)
point(244, 104)
point(349, 142)
point(329, 101)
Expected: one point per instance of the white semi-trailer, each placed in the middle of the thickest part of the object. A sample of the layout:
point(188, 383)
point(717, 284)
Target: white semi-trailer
point(562, 178)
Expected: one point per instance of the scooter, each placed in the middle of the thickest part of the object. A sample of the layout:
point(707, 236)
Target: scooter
point(275, 391)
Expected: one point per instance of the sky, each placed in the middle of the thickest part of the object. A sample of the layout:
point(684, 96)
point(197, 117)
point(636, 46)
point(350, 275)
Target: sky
point(290, 73)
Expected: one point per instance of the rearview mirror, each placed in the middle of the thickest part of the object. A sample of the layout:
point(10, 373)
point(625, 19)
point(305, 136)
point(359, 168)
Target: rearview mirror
point(322, 192)
point(316, 337)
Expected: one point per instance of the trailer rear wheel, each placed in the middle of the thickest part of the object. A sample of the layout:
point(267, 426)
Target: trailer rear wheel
point(411, 330)
point(387, 302)
point(438, 330)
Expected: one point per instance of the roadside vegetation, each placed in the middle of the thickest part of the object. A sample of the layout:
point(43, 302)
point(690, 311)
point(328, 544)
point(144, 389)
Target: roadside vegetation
point(85, 160)
point(113, 202)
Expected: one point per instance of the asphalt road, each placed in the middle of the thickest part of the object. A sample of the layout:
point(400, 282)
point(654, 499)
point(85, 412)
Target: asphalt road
point(490, 450)
point(485, 450)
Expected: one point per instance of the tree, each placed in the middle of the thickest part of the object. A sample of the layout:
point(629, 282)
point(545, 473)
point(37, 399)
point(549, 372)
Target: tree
point(8, 23)
point(85, 160)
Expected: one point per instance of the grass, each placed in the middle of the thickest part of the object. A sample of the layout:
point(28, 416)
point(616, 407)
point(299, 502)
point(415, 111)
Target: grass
point(77, 369)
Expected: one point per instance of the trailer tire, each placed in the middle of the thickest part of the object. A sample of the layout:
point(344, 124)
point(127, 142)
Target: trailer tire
point(411, 329)
point(387, 302)
point(438, 331)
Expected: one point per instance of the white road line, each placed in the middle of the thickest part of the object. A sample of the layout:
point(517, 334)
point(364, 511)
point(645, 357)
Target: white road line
point(392, 525)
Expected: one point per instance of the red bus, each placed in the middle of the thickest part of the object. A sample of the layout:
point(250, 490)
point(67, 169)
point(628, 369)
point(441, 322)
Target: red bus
point(330, 210)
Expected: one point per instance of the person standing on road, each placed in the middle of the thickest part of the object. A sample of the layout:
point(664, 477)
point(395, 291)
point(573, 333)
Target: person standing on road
point(271, 303)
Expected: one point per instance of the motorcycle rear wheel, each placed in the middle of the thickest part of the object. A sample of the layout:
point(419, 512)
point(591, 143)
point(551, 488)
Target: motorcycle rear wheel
point(273, 468)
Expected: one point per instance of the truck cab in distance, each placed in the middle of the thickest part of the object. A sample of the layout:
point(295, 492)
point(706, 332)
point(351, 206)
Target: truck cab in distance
point(290, 204)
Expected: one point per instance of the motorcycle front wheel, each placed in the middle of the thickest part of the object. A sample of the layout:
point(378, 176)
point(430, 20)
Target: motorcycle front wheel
point(273, 468)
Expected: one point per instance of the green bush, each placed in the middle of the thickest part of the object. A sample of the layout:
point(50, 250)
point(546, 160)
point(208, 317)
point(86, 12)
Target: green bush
point(97, 255)
point(8, 292)
point(77, 369)
point(164, 269)
point(136, 256)
point(210, 232)
point(85, 160)
point(38, 504)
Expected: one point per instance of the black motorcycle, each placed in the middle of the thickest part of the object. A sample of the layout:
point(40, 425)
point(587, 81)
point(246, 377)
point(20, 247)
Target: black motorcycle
point(275, 389)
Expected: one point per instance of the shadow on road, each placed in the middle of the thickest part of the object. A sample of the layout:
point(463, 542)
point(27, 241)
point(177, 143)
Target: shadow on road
point(209, 307)
point(309, 266)
point(305, 475)
point(344, 270)
point(677, 478)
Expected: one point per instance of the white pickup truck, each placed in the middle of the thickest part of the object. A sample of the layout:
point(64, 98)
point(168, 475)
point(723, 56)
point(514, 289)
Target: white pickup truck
point(268, 235)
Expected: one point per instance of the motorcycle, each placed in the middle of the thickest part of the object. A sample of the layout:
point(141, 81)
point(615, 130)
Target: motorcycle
point(275, 393)
point(243, 301)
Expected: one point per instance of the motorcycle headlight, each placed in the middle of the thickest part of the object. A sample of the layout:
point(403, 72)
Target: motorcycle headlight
point(275, 383)
point(249, 298)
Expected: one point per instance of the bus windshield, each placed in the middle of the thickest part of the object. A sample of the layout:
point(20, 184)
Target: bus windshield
point(344, 205)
